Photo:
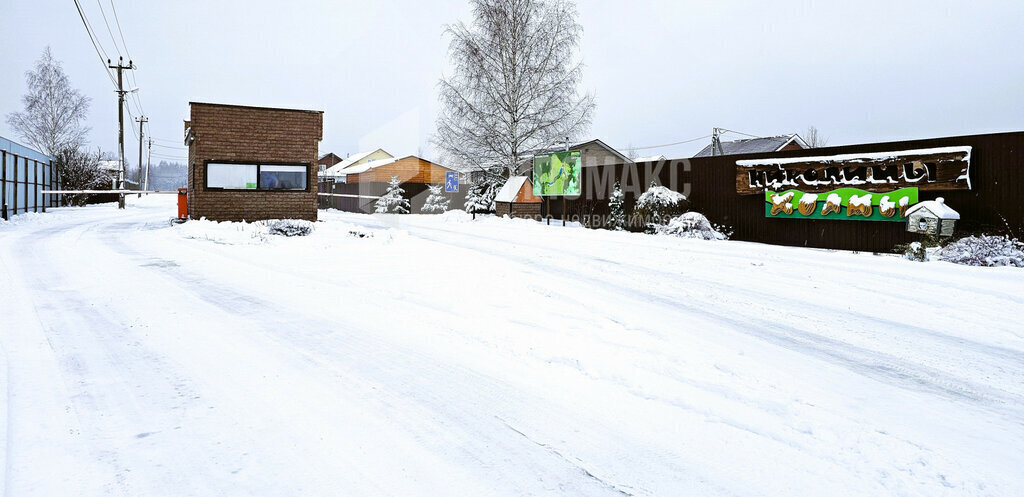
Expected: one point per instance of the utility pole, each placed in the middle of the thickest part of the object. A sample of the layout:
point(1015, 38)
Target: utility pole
point(149, 157)
point(716, 142)
point(120, 122)
point(142, 121)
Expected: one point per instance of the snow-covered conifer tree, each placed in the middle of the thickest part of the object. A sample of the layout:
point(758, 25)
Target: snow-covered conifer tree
point(481, 195)
point(393, 201)
point(617, 212)
point(436, 201)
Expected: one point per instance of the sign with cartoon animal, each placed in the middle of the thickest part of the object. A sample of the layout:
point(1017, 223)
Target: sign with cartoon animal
point(843, 204)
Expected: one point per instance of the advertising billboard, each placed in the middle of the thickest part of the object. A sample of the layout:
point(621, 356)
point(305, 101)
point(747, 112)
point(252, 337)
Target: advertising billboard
point(557, 174)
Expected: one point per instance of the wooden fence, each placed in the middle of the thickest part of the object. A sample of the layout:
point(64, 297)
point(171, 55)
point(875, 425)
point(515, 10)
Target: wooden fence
point(995, 202)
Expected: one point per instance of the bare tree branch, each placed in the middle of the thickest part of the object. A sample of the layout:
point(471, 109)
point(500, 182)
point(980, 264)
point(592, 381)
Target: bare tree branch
point(514, 86)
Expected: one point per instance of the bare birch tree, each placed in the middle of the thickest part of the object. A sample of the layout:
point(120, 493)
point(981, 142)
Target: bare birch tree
point(514, 86)
point(54, 111)
point(814, 139)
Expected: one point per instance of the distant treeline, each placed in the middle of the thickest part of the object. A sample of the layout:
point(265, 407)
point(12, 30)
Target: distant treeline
point(168, 176)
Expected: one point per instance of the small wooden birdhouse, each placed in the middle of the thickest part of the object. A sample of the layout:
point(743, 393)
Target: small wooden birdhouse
point(932, 217)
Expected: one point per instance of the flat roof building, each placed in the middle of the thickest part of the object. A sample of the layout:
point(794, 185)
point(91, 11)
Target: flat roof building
point(252, 163)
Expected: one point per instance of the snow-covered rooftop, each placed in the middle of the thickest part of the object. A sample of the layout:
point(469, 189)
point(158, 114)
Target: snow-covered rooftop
point(339, 168)
point(366, 166)
point(651, 158)
point(754, 145)
point(510, 189)
point(937, 207)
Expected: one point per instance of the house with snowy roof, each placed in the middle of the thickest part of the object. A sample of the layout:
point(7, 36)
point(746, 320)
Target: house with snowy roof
point(327, 160)
point(768, 144)
point(592, 153)
point(341, 168)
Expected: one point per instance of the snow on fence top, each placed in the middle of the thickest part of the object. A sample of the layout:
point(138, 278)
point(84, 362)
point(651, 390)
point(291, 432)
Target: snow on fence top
point(866, 157)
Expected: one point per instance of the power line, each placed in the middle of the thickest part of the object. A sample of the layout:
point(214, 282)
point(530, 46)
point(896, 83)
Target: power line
point(104, 14)
point(739, 133)
point(670, 144)
point(169, 146)
point(134, 97)
point(95, 43)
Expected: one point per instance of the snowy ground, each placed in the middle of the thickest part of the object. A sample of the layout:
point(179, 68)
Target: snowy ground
point(442, 356)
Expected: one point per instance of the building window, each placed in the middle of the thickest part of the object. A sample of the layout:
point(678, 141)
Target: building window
point(262, 177)
point(231, 176)
point(282, 177)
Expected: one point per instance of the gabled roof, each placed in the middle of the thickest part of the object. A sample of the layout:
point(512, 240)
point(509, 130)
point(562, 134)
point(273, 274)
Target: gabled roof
point(338, 169)
point(510, 189)
point(755, 145)
point(579, 146)
point(366, 166)
point(937, 207)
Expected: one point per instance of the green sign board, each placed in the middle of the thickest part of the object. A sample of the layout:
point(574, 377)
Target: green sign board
point(851, 204)
point(557, 174)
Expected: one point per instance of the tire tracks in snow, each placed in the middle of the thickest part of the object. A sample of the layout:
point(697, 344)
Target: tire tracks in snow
point(873, 364)
point(427, 390)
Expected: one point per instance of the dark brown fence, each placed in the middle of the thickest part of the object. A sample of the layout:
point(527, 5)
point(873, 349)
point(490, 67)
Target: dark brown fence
point(995, 202)
point(22, 180)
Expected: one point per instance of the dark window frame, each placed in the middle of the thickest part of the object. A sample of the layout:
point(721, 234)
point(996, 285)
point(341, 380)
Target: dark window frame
point(259, 165)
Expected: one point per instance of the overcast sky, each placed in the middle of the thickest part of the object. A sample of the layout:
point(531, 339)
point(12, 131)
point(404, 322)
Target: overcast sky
point(662, 71)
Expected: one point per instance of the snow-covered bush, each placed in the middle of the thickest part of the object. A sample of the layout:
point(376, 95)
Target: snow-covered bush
point(915, 251)
point(692, 225)
point(393, 201)
point(984, 250)
point(480, 198)
point(289, 227)
point(658, 205)
point(616, 210)
point(436, 201)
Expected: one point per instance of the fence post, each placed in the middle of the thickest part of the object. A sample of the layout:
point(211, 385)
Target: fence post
point(15, 188)
point(42, 196)
point(35, 186)
point(3, 183)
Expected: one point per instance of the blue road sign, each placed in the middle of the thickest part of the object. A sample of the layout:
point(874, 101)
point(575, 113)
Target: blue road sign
point(451, 181)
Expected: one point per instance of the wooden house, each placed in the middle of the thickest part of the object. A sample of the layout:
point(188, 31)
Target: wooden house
point(516, 199)
point(409, 169)
point(339, 169)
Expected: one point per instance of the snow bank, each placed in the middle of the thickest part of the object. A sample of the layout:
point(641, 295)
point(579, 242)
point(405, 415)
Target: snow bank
point(226, 232)
point(242, 233)
point(456, 216)
point(691, 225)
point(32, 218)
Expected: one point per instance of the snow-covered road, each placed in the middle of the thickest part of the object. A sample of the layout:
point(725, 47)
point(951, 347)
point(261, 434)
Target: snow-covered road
point(442, 356)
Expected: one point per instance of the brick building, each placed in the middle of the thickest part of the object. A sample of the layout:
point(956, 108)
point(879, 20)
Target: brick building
point(252, 163)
